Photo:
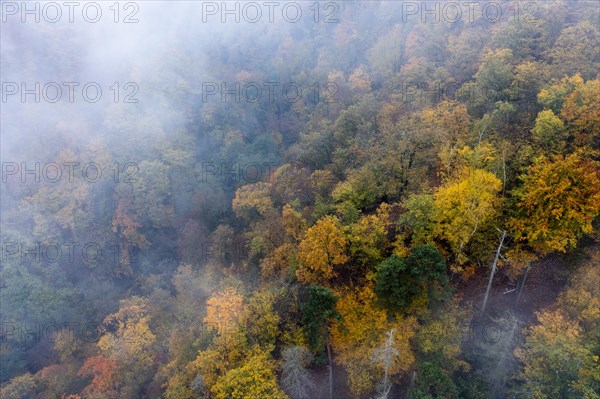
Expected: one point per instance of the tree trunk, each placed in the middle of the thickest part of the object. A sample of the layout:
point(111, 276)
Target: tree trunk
point(523, 284)
point(411, 385)
point(330, 367)
point(388, 351)
point(489, 286)
point(503, 171)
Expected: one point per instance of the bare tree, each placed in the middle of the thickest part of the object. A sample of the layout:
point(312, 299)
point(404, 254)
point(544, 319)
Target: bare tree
point(296, 379)
point(330, 368)
point(385, 354)
point(523, 283)
point(492, 272)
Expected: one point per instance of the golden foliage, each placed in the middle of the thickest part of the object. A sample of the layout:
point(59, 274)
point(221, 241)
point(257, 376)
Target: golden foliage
point(560, 354)
point(361, 332)
point(558, 201)
point(582, 109)
point(323, 248)
point(463, 204)
point(224, 311)
point(127, 336)
point(252, 200)
point(293, 223)
point(368, 236)
point(253, 380)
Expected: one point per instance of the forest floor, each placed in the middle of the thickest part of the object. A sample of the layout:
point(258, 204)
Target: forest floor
point(488, 343)
point(492, 339)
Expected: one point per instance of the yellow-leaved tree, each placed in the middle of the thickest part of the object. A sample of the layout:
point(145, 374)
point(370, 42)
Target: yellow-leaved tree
point(560, 354)
point(463, 203)
point(559, 199)
point(368, 237)
point(323, 248)
point(359, 337)
point(254, 379)
point(253, 201)
point(582, 109)
point(262, 320)
point(225, 316)
point(224, 311)
point(280, 262)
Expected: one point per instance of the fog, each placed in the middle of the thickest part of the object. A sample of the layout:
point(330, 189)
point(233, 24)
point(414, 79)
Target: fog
point(207, 177)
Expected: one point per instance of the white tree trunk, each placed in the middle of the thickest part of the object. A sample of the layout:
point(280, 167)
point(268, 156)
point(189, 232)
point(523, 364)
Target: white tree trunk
point(493, 271)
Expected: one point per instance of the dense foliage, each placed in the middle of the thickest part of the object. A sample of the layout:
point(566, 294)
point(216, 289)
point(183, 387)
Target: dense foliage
point(263, 249)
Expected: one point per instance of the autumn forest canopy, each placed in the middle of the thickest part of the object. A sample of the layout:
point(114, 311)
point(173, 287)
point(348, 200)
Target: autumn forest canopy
point(300, 200)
